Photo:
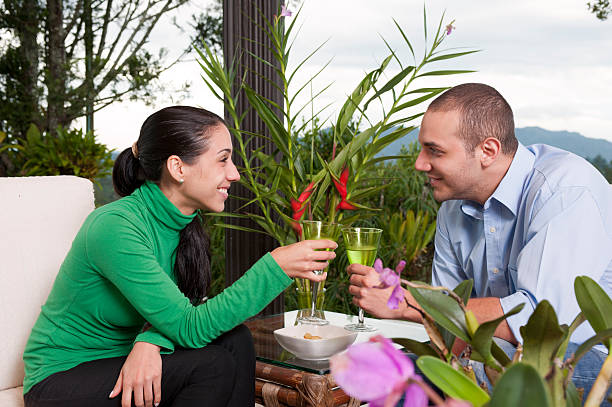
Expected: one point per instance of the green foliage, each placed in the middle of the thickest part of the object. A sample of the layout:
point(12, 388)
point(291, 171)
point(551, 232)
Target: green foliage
point(604, 167)
point(407, 235)
point(542, 338)
point(277, 179)
point(452, 382)
point(537, 375)
point(595, 305)
point(406, 188)
point(521, 385)
point(67, 152)
point(601, 8)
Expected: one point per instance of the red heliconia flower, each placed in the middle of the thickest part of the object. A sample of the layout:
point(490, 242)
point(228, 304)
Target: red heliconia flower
point(299, 207)
point(341, 187)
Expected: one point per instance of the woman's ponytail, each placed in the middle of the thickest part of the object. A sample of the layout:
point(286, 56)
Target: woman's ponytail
point(192, 264)
point(127, 174)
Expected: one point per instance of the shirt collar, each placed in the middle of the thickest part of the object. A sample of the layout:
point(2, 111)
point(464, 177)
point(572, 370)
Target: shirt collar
point(161, 208)
point(509, 190)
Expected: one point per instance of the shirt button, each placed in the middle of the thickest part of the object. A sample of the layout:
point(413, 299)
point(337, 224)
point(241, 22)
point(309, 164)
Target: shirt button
point(492, 229)
point(495, 270)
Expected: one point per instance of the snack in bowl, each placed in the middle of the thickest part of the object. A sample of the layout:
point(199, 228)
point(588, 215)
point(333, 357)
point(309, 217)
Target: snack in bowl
point(308, 335)
point(314, 342)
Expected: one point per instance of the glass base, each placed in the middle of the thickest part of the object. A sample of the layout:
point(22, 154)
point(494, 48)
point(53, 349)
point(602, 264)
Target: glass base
point(312, 321)
point(305, 316)
point(359, 328)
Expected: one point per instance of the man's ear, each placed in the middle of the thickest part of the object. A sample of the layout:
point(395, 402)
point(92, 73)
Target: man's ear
point(175, 167)
point(490, 149)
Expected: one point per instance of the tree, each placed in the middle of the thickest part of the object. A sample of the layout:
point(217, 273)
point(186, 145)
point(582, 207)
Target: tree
point(60, 55)
point(603, 166)
point(601, 8)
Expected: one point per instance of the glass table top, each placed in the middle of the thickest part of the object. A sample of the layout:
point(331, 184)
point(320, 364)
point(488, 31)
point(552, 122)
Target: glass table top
point(268, 350)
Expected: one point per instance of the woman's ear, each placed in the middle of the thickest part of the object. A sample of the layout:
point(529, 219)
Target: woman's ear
point(176, 168)
point(490, 149)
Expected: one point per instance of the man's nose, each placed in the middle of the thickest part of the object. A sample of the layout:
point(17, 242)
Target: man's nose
point(421, 163)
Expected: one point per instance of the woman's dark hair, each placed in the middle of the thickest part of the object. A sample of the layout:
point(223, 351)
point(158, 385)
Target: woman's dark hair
point(182, 131)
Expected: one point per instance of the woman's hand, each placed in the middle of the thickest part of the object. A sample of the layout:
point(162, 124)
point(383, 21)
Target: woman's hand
point(141, 375)
point(302, 258)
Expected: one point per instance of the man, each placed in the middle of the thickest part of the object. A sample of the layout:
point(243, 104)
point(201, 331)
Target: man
point(522, 222)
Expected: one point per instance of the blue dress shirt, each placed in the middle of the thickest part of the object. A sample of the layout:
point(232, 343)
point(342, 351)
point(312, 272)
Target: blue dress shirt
point(548, 221)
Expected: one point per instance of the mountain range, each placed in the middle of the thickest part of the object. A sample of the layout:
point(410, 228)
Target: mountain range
point(570, 141)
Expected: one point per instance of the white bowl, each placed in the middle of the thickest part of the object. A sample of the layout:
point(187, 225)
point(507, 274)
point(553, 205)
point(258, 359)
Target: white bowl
point(334, 339)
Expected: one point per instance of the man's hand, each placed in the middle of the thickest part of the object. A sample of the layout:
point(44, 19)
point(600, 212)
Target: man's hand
point(141, 375)
point(374, 300)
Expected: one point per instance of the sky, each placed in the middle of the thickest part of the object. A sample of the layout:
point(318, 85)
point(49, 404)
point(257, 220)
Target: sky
point(551, 59)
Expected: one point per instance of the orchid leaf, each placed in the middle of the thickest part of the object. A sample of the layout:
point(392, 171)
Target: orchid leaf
point(416, 347)
point(586, 346)
point(520, 385)
point(443, 309)
point(483, 337)
point(595, 304)
point(572, 397)
point(541, 338)
point(463, 290)
point(568, 334)
point(452, 382)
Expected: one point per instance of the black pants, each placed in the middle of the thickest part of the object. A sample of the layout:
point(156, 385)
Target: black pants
point(220, 374)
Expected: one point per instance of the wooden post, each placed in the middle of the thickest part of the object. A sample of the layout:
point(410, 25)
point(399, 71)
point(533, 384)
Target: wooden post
point(243, 249)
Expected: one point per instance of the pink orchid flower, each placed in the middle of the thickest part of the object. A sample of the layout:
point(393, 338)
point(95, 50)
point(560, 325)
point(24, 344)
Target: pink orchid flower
point(449, 29)
point(377, 372)
point(285, 12)
point(390, 278)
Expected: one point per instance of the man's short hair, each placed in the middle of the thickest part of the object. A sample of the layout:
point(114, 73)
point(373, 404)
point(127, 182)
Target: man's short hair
point(484, 113)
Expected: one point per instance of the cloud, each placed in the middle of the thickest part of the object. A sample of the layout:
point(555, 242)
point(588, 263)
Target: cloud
point(550, 58)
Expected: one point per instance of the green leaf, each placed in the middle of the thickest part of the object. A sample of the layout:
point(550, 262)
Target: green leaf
point(464, 290)
point(572, 397)
point(483, 337)
point(586, 346)
point(568, 333)
point(448, 56)
point(450, 381)
point(390, 84)
point(595, 305)
point(443, 309)
point(416, 347)
point(445, 72)
point(541, 338)
point(520, 385)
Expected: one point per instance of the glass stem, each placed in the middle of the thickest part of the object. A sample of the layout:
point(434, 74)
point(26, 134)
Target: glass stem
point(360, 316)
point(313, 297)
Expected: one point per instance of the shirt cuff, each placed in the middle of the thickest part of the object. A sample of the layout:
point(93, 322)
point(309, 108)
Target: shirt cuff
point(155, 338)
point(515, 322)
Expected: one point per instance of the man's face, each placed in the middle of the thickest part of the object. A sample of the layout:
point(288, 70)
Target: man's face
point(453, 172)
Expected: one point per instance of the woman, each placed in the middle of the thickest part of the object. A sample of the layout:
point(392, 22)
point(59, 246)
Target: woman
point(142, 262)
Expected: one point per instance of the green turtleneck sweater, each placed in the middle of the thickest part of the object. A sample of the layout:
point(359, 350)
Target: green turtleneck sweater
point(119, 274)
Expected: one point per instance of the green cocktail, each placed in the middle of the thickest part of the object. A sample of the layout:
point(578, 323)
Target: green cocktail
point(361, 247)
point(316, 230)
point(362, 255)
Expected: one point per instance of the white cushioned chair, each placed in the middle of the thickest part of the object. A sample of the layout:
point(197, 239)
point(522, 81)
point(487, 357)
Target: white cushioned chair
point(39, 218)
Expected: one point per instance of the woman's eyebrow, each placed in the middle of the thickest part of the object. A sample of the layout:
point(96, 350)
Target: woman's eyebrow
point(225, 150)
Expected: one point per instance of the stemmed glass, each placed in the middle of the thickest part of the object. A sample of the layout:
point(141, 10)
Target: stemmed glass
point(361, 247)
point(314, 230)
